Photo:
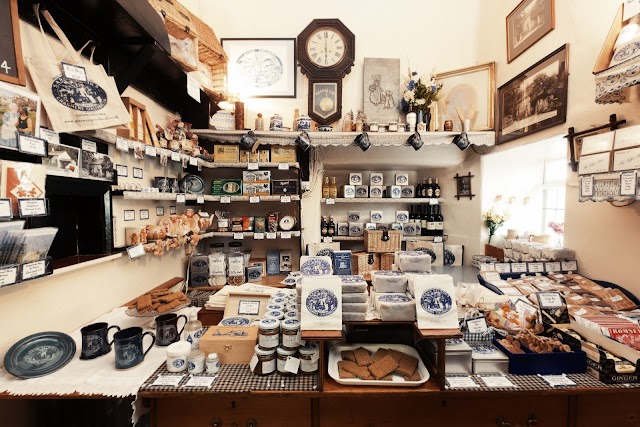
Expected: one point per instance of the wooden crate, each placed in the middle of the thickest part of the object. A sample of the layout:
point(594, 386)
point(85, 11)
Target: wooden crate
point(373, 241)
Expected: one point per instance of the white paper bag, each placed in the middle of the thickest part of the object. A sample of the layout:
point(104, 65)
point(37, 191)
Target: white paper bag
point(321, 303)
point(435, 302)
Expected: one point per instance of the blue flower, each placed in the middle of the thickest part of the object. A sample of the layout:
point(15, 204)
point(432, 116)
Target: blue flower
point(414, 73)
point(411, 85)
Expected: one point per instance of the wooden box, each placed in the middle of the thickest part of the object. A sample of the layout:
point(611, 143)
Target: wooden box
point(234, 344)
point(374, 242)
point(281, 154)
point(226, 153)
point(364, 263)
point(252, 305)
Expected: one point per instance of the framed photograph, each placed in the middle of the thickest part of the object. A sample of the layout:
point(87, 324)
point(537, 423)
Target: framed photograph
point(597, 143)
point(97, 165)
point(11, 63)
point(468, 94)
point(172, 210)
point(144, 213)
point(129, 215)
point(527, 23)
point(122, 170)
point(624, 160)
point(159, 210)
point(137, 173)
point(627, 138)
point(536, 99)
point(19, 113)
point(595, 163)
point(62, 160)
point(382, 93)
point(261, 68)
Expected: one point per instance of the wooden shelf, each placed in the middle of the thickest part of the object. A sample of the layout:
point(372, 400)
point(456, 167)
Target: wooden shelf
point(321, 335)
point(244, 165)
point(404, 238)
point(245, 234)
point(439, 333)
point(382, 200)
point(138, 195)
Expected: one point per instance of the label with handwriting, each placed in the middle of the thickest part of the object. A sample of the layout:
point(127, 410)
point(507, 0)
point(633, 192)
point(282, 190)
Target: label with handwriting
point(34, 269)
point(150, 151)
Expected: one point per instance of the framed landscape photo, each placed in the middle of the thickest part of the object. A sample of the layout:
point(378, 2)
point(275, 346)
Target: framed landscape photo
point(527, 23)
point(261, 68)
point(536, 99)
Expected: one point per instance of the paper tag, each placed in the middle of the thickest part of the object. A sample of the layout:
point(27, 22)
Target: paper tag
point(285, 199)
point(34, 269)
point(617, 298)
point(193, 88)
point(254, 362)
point(8, 276)
point(32, 145)
point(628, 183)
point(254, 199)
point(225, 199)
point(580, 312)
point(89, 146)
point(586, 186)
point(569, 265)
point(491, 276)
point(258, 236)
point(330, 201)
point(487, 266)
point(523, 306)
point(271, 236)
point(50, 136)
point(327, 239)
point(252, 166)
point(181, 198)
point(168, 380)
point(200, 381)
point(299, 339)
point(5, 209)
point(557, 380)
point(550, 267)
point(203, 214)
point(437, 239)
point(519, 267)
point(238, 236)
point(74, 72)
point(497, 381)
point(461, 382)
point(292, 365)
point(433, 201)
point(594, 299)
point(283, 166)
point(285, 235)
point(547, 300)
point(503, 267)
point(136, 251)
point(150, 151)
point(200, 199)
point(535, 267)
point(32, 207)
point(175, 156)
point(193, 161)
point(122, 144)
point(248, 308)
point(477, 325)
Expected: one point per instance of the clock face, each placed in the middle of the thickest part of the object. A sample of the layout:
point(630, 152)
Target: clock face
point(326, 47)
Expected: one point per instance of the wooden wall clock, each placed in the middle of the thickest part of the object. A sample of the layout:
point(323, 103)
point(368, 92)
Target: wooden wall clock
point(326, 53)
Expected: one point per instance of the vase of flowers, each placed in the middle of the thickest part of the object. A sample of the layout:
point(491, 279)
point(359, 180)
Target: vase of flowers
point(558, 228)
point(494, 220)
point(420, 92)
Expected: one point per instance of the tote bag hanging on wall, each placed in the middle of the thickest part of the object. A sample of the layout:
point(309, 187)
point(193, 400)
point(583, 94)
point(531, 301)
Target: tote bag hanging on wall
point(74, 105)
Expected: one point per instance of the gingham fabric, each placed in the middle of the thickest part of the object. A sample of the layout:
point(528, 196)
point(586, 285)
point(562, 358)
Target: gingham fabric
point(536, 383)
point(199, 298)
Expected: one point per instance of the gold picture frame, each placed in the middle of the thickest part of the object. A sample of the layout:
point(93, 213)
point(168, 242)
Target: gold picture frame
point(527, 23)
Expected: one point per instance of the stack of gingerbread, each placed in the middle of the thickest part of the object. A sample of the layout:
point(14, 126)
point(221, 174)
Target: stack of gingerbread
point(158, 301)
point(381, 365)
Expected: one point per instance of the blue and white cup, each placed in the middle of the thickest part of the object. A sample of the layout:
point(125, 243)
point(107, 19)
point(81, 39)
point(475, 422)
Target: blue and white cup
point(129, 349)
point(95, 341)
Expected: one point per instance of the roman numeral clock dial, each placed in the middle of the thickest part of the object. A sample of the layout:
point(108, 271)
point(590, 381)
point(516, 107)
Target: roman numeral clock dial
point(326, 53)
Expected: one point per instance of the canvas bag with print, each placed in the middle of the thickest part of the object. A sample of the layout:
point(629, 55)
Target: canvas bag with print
point(74, 105)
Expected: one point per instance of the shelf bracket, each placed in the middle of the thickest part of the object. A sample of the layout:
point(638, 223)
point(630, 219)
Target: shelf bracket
point(613, 124)
point(137, 64)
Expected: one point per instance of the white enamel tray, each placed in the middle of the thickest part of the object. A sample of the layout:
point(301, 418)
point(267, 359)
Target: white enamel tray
point(398, 381)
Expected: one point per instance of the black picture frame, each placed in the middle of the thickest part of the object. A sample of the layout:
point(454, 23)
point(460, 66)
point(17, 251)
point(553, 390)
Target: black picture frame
point(520, 115)
point(12, 68)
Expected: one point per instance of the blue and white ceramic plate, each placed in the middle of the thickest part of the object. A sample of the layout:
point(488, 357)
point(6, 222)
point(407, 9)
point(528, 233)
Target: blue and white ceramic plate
point(39, 354)
point(321, 302)
point(402, 217)
point(376, 179)
point(375, 192)
point(394, 298)
point(235, 321)
point(351, 279)
point(316, 266)
point(376, 216)
point(436, 301)
point(388, 273)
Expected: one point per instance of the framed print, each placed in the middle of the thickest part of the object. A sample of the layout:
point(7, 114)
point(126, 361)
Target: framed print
point(468, 93)
point(122, 170)
point(594, 163)
point(19, 113)
point(97, 165)
point(382, 89)
point(11, 63)
point(536, 99)
point(261, 68)
point(527, 23)
point(144, 214)
point(627, 138)
point(137, 173)
point(159, 210)
point(325, 100)
point(624, 160)
point(62, 160)
point(597, 143)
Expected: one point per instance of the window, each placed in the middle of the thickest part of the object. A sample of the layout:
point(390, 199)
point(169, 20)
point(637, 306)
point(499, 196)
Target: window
point(553, 198)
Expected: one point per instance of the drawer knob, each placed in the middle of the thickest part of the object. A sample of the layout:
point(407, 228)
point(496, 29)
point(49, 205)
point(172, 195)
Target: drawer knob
point(532, 421)
point(252, 423)
point(217, 422)
point(501, 422)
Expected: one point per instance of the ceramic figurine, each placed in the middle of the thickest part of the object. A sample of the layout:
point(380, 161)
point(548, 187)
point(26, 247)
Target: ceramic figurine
point(276, 122)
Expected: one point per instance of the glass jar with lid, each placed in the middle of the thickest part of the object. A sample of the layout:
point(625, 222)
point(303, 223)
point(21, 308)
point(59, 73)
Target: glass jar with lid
point(309, 356)
point(290, 329)
point(283, 354)
point(266, 361)
point(217, 265)
point(269, 333)
point(235, 262)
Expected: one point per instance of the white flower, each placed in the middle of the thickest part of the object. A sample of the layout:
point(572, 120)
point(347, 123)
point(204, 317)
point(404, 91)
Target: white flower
point(420, 101)
point(408, 95)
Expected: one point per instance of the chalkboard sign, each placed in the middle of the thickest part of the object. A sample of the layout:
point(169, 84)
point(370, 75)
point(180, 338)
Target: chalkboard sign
point(11, 64)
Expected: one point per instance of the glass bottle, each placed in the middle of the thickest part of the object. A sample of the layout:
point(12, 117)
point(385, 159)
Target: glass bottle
point(424, 188)
point(439, 221)
point(325, 188)
point(193, 330)
point(412, 215)
point(423, 221)
point(331, 227)
point(296, 116)
point(411, 119)
point(333, 189)
point(217, 265)
point(431, 222)
point(436, 189)
point(324, 227)
point(259, 122)
point(418, 191)
point(430, 188)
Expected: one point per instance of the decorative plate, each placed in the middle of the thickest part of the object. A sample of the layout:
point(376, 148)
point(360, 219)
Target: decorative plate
point(375, 192)
point(355, 230)
point(376, 217)
point(388, 273)
point(375, 180)
point(402, 179)
point(394, 298)
point(406, 192)
point(321, 302)
point(193, 184)
point(356, 179)
point(327, 252)
point(402, 217)
point(287, 222)
point(316, 266)
point(351, 279)
point(396, 192)
point(349, 192)
point(362, 192)
point(39, 354)
point(235, 321)
point(436, 301)
point(354, 217)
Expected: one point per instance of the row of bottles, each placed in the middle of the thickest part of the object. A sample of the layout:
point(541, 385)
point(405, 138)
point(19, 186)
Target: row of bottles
point(329, 191)
point(426, 188)
point(429, 217)
point(327, 228)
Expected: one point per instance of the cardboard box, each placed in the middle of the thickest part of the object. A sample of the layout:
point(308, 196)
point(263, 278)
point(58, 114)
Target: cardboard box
point(273, 262)
point(248, 156)
point(233, 344)
point(260, 176)
point(253, 189)
point(376, 191)
point(281, 154)
point(226, 153)
point(402, 178)
point(355, 178)
point(362, 191)
point(264, 156)
point(408, 191)
point(284, 186)
point(226, 187)
point(259, 262)
point(285, 261)
point(376, 178)
point(394, 191)
point(342, 262)
point(348, 191)
point(343, 229)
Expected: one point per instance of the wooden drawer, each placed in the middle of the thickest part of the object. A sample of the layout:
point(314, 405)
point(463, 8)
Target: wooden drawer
point(619, 410)
point(201, 412)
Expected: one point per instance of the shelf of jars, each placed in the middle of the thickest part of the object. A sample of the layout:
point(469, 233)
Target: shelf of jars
point(404, 238)
point(240, 235)
point(377, 139)
point(426, 201)
point(140, 195)
point(610, 187)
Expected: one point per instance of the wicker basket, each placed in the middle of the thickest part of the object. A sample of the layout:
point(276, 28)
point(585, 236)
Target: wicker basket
point(364, 263)
point(386, 261)
point(177, 21)
point(382, 241)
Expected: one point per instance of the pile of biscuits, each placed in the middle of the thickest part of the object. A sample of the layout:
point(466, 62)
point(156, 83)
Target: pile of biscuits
point(536, 344)
point(160, 301)
point(381, 365)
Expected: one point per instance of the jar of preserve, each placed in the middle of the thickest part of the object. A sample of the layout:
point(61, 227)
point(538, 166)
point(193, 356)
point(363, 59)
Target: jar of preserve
point(309, 356)
point(275, 314)
point(213, 363)
point(177, 356)
point(269, 333)
point(283, 356)
point(290, 329)
point(266, 361)
point(195, 362)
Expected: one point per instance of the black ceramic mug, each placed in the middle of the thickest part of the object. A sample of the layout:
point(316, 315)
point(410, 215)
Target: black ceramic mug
point(95, 341)
point(167, 329)
point(128, 344)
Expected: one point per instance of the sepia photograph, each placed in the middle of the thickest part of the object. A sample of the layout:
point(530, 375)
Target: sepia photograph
point(527, 23)
point(97, 165)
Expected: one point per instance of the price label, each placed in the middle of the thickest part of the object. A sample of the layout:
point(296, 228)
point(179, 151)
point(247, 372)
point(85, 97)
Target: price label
point(283, 166)
point(32, 145)
point(552, 266)
point(32, 207)
point(200, 200)
point(181, 198)
point(477, 325)
point(74, 72)
point(586, 186)
point(254, 199)
point(487, 266)
point(437, 239)
point(330, 201)
point(5, 209)
point(558, 380)
point(200, 381)
point(258, 236)
point(150, 151)
point(8, 275)
point(129, 215)
point(497, 381)
point(519, 267)
point(34, 269)
point(254, 362)
point(503, 267)
point(271, 236)
point(175, 156)
point(299, 339)
point(285, 234)
point(548, 300)
point(628, 183)
point(137, 173)
point(122, 144)
point(327, 239)
point(252, 166)
point(238, 236)
point(225, 199)
point(569, 265)
point(193, 161)
point(50, 136)
point(523, 307)
point(168, 380)
point(136, 251)
point(89, 146)
point(535, 267)
point(292, 365)
point(285, 199)
point(193, 89)
point(433, 201)
point(461, 382)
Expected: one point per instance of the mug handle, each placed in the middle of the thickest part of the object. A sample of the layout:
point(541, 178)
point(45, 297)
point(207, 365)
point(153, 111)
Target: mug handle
point(153, 336)
point(112, 339)
point(183, 325)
